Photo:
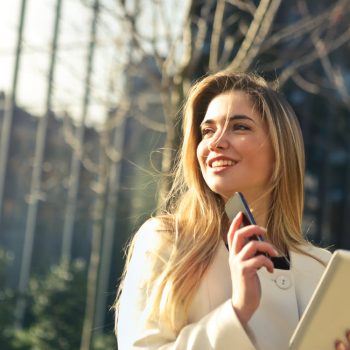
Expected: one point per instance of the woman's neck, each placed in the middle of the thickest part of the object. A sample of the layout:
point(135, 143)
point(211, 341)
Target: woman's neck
point(259, 207)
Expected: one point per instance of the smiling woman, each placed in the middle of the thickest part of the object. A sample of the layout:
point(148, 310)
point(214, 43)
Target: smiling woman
point(182, 287)
point(235, 152)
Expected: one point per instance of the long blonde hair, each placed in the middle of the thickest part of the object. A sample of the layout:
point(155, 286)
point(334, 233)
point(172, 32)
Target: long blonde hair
point(194, 214)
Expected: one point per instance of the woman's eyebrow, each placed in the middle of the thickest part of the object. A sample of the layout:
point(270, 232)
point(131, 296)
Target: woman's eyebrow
point(241, 117)
point(207, 122)
point(231, 118)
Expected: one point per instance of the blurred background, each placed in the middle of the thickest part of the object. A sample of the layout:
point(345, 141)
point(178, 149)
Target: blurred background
point(90, 101)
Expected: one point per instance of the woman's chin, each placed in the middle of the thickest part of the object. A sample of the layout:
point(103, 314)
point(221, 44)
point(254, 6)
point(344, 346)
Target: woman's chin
point(224, 193)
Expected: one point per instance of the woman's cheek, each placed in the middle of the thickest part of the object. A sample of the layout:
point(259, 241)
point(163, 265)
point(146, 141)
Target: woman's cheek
point(201, 154)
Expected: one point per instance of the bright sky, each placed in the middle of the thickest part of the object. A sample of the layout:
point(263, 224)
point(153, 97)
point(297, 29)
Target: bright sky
point(73, 42)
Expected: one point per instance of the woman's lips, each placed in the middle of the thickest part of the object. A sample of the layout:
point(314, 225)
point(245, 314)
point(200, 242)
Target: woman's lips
point(222, 163)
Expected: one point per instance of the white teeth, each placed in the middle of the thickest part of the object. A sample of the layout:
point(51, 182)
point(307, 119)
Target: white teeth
point(222, 162)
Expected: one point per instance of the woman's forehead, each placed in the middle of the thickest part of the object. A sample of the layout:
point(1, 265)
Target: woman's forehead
point(230, 103)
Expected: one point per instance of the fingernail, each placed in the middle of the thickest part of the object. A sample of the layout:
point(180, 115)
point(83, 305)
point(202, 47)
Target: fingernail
point(237, 216)
point(339, 345)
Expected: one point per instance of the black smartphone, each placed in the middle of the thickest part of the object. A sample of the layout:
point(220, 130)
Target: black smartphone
point(236, 204)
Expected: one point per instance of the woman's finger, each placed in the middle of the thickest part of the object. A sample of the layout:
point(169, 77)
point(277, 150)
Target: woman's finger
point(253, 247)
point(242, 235)
point(249, 267)
point(339, 345)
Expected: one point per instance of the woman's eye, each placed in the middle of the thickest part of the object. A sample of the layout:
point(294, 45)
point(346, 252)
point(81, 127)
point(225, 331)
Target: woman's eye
point(241, 127)
point(207, 132)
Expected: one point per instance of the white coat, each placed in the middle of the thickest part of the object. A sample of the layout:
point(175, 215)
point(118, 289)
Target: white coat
point(212, 322)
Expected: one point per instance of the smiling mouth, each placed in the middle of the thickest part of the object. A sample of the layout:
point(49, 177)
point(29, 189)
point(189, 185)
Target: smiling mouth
point(222, 163)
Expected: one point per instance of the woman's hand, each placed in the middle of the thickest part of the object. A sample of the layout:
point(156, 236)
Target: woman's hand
point(244, 264)
point(339, 345)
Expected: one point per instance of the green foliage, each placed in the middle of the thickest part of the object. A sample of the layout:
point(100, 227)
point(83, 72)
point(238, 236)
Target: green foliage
point(56, 307)
point(55, 311)
point(104, 342)
point(7, 301)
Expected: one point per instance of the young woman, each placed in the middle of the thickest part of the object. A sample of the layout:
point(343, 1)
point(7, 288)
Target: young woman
point(193, 280)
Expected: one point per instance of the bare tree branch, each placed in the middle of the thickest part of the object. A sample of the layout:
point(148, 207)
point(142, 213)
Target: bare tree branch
point(216, 34)
point(197, 44)
point(259, 28)
point(306, 85)
point(333, 76)
point(141, 117)
point(165, 24)
point(72, 141)
point(295, 30)
point(313, 56)
point(247, 6)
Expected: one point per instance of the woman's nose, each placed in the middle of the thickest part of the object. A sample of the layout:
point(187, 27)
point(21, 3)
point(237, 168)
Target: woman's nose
point(219, 142)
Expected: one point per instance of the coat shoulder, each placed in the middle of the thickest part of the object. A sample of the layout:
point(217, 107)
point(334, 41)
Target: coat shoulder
point(153, 240)
point(321, 254)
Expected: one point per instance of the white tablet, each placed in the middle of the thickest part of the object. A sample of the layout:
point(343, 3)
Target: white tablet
point(327, 315)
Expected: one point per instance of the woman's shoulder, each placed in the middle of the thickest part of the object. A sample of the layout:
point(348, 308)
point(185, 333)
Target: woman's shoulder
point(154, 235)
point(158, 227)
point(319, 253)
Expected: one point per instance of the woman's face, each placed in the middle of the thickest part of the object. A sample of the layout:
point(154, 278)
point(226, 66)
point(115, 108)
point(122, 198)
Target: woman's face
point(235, 153)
